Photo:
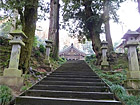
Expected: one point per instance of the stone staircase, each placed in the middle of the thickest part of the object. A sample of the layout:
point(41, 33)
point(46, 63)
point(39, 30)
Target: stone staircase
point(74, 83)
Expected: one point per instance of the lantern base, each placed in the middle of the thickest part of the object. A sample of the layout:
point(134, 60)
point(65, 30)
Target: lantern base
point(12, 72)
point(133, 74)
point(105, 63)
point(132, 84)
point(11, 81)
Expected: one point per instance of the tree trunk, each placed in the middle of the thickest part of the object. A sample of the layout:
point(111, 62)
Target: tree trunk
point(54, 27)
point(138, 5)
point(96, 42)
point(107, 25)
point(28, 26)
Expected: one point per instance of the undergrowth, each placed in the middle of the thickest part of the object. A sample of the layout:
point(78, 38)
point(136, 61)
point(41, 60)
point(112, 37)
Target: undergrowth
point(115, 81)
point(56, 63)
point(5, 95)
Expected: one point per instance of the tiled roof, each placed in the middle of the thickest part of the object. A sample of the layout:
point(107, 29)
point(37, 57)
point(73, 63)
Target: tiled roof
point(74, 48)
point(138, 30)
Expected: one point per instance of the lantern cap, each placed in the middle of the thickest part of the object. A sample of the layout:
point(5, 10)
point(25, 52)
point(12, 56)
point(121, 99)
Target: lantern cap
point(130, 33)
point(49, 41)
point(18, 33)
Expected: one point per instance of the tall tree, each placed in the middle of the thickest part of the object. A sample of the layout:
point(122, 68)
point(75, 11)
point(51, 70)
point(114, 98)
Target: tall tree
point(28, 12)
point(54, 27)
point(28, 20)
point(89, 17)
point(91, 25)
point(107, 24)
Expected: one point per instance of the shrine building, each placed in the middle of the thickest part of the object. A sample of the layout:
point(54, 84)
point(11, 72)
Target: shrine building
point(72, 53)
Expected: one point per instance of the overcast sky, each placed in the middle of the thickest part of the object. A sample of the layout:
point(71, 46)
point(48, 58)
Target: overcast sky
point(129, 18)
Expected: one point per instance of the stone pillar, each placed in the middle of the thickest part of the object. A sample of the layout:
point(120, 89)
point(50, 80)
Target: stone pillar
point(104, 63)
point(133, 74)
point(48, 48)
point(12, 76)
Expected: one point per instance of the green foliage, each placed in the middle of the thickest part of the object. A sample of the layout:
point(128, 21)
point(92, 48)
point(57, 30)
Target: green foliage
point(118, 90)
point(91, 59)
point(35, 42)
point(5, 29)
point(5, 95)
point(1, 41)
point(56, 63)
point(131, 100)
point(27, 83)
point(108, 82)
point(86, 14)
point(42, 48)
point(26, 87)
point(114, 77)
point(120, 63)
point(122, 94)
point(61, 60)
point(115, 81)
point(11, 5)
point(37, 53)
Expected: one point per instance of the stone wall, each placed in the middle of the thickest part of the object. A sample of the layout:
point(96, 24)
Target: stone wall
point(118, 61)
point(5, 51)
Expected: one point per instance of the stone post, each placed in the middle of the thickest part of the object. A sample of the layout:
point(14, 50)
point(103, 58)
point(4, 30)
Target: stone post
point(104, 63)
point(12, 76)
point(133, 75)
point(48, 48)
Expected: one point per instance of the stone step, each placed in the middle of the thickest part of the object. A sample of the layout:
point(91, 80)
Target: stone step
point(28, 100)
point(74, 70)
point(72, 83)
point(70, 94)
point(74, 67)
point(72, 88)
point(72, 79)
point(73, 76)
point(68, 69)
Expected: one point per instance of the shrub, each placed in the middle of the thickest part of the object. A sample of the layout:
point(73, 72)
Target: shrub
point(114, 80)
point(108, 82)
point(1, 41)
point(90, 59)
point(35, 42)
point(42, 48)
point(37, 53)
point(118, 90)
point(5, 95)
point(26, 87)
point(131, 100)
point(61, 60)
point(27, 83)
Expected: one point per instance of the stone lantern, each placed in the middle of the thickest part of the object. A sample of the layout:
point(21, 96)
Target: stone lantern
point(48, 48)
point(104, 48)
point(12, 76)
point(133, 75)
